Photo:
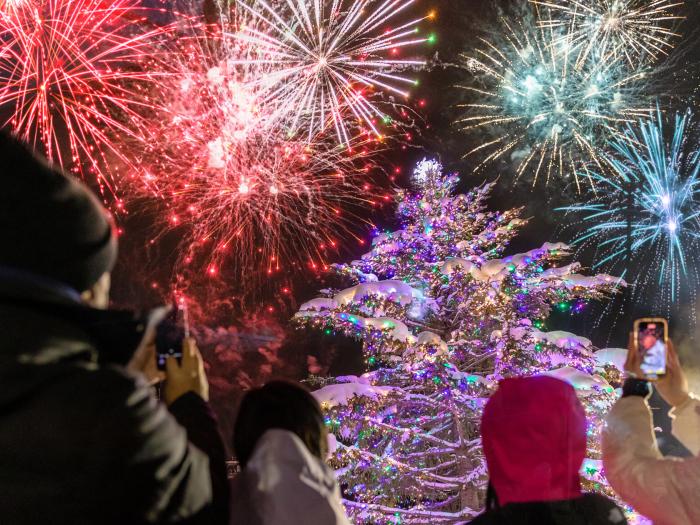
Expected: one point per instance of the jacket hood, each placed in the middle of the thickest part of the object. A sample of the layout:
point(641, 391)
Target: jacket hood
point(534, 436)
point(284, 483)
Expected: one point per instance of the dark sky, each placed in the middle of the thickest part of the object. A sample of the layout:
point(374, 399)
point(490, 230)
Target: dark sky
point(458, 25)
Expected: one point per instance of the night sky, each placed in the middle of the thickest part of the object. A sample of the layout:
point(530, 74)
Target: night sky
point(458, 26)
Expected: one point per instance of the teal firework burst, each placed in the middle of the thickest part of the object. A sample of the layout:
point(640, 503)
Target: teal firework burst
point(543, 108)
point(645, 218)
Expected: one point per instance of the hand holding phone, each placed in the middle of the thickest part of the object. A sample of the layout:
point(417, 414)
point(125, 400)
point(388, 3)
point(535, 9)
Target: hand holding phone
point(651, 344)
point(171, 334)
point(186, 376)
point(673, 387)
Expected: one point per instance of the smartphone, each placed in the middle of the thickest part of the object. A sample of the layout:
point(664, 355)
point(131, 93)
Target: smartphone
point(170, 335)
point(651, 341)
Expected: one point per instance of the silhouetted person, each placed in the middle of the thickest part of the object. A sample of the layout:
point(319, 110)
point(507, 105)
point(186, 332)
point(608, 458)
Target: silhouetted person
point(83, 440)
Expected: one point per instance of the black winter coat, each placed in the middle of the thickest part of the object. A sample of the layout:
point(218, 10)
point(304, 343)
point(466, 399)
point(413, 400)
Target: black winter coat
point(87, 443)
point(591, 509)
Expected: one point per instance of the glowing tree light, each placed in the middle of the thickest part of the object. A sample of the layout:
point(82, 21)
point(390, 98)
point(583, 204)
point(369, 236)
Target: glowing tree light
point(544, 114)
point(329, 59)
point(649, 210)
point(638, 30)
point(71, 74)
point(443, 313)
point(247, 201)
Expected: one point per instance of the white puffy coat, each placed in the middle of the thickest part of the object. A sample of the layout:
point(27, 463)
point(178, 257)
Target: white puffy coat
point(666, 490)
point(284, 484)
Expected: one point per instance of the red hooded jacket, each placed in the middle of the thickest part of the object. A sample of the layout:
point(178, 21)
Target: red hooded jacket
point(534, 437)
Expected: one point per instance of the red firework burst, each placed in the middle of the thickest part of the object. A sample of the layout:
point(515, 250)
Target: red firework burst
point(263, 203)
point(247, 201)
point(72, 73)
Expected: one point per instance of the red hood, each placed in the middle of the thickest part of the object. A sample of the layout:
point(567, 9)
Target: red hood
point(534, 436)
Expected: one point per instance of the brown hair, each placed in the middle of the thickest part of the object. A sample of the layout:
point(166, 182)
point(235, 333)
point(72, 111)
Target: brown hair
point(283, 405)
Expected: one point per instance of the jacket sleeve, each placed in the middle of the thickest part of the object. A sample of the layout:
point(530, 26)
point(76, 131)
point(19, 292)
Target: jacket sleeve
point(157, 473)
point(663, 489)
point(686, 424)
point(197, 417)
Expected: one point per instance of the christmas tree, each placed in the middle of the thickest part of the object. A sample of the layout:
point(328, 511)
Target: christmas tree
point(443, 314)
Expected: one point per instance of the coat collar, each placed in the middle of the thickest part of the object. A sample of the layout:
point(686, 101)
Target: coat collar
point(47, 322)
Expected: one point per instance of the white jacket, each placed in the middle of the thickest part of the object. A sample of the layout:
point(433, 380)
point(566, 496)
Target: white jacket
point(666, 490)
point(284, 484)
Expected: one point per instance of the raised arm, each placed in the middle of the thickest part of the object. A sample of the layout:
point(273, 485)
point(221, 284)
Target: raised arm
point(663, 489)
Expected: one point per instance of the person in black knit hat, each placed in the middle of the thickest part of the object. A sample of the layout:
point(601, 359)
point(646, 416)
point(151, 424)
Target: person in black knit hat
point(83, 440)
point(51, 224)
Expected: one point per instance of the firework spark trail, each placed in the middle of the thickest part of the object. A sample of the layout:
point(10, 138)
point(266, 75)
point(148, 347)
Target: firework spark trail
point(638, 30)
point(328, 59)
point(8, 5)
point(72, 75)
point(264, 204)
point(550, 116)
point(248, 200)
point(664, 177)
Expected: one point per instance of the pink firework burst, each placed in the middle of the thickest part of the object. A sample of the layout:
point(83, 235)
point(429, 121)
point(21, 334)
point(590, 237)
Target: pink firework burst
point(72, 75)
point(248, 201)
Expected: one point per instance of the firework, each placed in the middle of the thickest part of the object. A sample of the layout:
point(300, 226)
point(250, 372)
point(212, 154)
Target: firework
point(247, 200)
point(638, 30)
point(328, 61)
point(545, 114)
point(649, 209)
point(261, 203)
point(9, 5)
point(71, 74)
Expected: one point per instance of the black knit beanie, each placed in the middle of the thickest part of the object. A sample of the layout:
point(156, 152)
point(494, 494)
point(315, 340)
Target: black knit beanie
point(51, 224)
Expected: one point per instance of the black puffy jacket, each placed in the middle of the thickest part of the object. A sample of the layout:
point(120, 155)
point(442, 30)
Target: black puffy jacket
point(591, 509)
point(83, 442)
